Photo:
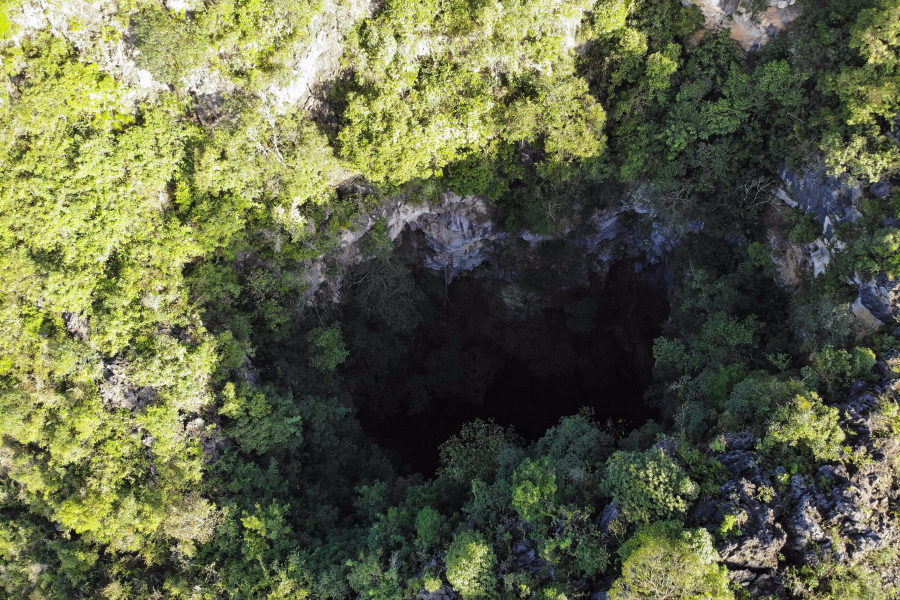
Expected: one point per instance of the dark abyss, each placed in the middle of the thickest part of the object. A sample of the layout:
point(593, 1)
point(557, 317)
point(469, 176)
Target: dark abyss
point(468, 359)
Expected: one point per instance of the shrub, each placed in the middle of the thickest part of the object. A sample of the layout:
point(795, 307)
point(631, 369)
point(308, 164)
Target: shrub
point(577, 446)
point(648, 485)
point(834, 581)
point(754, 399)
point(431, 581)
point(534, 488)
point(194, 518)
point(429, 523)
point(372, 581)
point(473, 453)
point(591, 557)
point(262, 419)
point(806, 429)
point(838, 368)
point(824, 322)
point(470, 565)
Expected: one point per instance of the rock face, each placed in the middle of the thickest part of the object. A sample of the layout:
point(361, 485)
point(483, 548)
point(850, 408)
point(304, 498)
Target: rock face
point(81, 22)
point(749, 32)
point(460, 234)
point(830, 199)
point(758, 549)
point(445, 592)
point(834, 200)
point(844, 515)
point(318, 62)
point(463, 236)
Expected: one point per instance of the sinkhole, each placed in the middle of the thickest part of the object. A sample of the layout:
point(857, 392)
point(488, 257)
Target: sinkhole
point(470, 356)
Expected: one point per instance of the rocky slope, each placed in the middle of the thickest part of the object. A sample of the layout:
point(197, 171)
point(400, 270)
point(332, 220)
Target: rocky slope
point(464, 236)
point(844, 513)
point(751, 30)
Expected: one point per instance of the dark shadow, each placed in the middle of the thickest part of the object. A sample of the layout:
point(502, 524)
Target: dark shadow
point(593, 350)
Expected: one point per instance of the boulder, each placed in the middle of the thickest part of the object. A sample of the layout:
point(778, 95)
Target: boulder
point(803, 522)
point(445, 592)
point(609, 514)
point(880, 189)
point(742, 463)
point(881, 297)
point(669, 446)
point(740, 441)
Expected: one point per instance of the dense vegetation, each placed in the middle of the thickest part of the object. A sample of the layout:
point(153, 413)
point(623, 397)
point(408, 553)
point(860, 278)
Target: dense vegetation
point(176, 422)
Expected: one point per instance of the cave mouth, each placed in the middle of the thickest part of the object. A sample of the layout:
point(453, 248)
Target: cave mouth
point(586, 347)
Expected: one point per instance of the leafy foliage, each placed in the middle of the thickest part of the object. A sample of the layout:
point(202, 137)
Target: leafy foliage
point(470, 565)
point(808, 427)
point(664, 561)
point(648, 485)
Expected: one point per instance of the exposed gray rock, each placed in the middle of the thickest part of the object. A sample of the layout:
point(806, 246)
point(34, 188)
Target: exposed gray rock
point(209, 89)
point(804, 522)
point(248, 372)
point(195, 427)
point(118, 391)
point(819, 254)
point(791, 261)
point(741, 577)
point(740, 441)
point(668, 445)
point(445, 592)
point(526, 558)
point(782, 195)
point(762, 537)
point(880, 189)
point(608, 515)
point(869, 321)
point(462, 235)
point(881, 297)
point(82, 22)
point(742, 464)
point(317, 62)
point(829, 198)
point(844, 512)
point(706, 510)
point(749, 30)
point(213, 445)
point(78, 325)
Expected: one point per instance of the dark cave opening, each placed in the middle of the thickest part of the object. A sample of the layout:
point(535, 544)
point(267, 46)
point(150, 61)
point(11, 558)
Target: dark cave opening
point(592, 347)
point(517, 397)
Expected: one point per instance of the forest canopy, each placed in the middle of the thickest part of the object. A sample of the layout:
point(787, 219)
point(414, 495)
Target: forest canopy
point(179, 419)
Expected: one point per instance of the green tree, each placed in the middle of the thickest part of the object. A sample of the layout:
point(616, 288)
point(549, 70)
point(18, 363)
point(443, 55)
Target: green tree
point(648, 485)
point(665, 562)
point(328, 350)
point(534, 489)
point(470, 565)
point(870, 96)
point(805, 429)
point(474, 452)
point(429, 527)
